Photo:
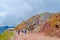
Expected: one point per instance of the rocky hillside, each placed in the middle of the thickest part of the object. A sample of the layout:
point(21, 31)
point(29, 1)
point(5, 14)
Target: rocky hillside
point(52, 26)
point(33, 22)
point(46, 23)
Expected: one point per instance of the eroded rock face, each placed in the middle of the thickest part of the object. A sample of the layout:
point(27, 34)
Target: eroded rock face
point(52, 26)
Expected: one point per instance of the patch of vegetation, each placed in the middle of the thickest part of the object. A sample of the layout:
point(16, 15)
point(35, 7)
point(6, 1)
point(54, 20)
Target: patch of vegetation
point(6, 35)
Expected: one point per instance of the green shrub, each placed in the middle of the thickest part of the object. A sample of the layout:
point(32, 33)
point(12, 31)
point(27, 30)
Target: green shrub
point(6, 35)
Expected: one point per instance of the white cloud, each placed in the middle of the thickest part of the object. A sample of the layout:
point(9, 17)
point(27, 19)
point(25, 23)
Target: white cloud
point(15, 11)
point(28, 6)
point(2, 14)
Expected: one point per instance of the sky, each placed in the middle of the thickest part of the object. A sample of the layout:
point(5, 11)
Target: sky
point(13, 12)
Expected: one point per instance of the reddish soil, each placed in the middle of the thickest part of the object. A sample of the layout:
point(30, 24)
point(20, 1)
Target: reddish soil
point(32, 36)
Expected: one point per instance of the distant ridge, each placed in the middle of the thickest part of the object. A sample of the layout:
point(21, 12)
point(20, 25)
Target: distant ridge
point(3, 28)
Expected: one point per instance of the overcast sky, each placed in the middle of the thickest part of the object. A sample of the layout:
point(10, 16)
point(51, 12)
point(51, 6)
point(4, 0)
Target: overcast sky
point(12, 12)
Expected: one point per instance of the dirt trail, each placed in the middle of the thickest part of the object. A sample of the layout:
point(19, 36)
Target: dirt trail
point(32, 36)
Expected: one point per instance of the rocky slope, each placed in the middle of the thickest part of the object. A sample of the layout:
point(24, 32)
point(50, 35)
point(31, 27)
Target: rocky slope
point(45, 23)
point(31, 25)
point(52, 26)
